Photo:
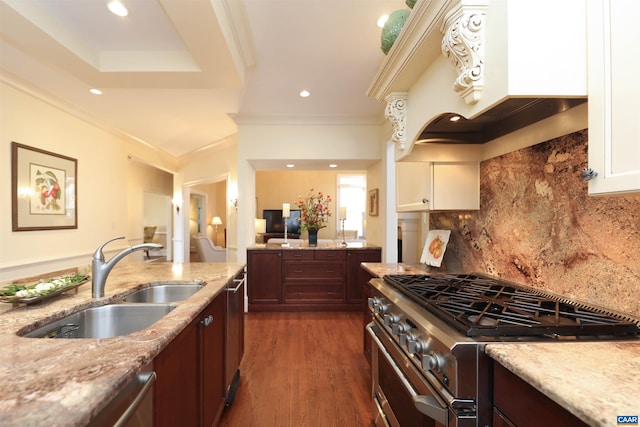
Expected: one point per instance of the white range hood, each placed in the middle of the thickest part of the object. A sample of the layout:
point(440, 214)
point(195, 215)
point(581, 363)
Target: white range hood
point(508, 62)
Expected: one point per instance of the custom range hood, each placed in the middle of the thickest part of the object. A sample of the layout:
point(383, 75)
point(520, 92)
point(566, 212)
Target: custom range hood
point(495, 65)
point(505, 117)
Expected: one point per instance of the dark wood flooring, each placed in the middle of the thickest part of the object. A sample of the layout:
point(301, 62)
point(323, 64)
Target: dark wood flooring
point(302, 369)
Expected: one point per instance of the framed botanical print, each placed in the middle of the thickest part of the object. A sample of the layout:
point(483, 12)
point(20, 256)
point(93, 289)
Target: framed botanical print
point(43, 189)
point(373, 202)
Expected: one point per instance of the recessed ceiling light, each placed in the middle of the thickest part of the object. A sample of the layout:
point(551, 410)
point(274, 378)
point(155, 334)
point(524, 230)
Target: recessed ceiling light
point(95, 91)
point(290, 165)
point(304, 93)
point(333, 166)
point(117, 8)
point(382, 20)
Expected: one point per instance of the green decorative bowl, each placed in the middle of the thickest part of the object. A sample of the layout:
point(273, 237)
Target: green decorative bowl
point(411, 3)
point(392, 28)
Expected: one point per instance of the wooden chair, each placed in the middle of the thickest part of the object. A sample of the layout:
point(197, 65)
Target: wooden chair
point(149, 232)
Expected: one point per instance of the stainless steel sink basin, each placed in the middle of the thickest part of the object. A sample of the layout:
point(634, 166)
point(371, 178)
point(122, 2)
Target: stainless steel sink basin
point(166, 292)
point(104, 322)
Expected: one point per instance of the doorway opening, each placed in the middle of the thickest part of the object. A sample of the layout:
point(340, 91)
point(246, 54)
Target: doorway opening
point(207, 201)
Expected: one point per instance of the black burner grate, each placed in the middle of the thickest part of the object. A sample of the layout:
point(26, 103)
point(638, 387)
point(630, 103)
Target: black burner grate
point(485, 306)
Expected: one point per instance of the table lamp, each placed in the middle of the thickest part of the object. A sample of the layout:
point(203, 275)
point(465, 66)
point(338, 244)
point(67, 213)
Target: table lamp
point(216, 221)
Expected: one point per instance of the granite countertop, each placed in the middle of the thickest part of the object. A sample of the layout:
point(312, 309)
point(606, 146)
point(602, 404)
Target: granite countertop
point(595, 381)
point(380, 269)
point(305, 246)
point(65, 382)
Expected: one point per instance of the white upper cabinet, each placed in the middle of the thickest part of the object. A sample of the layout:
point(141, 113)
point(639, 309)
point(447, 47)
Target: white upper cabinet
point(614, 93)
point(435, 186)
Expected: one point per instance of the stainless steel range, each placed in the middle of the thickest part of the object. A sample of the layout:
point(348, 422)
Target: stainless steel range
point(429, 333)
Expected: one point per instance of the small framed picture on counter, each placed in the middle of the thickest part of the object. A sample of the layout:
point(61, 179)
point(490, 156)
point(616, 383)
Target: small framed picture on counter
point(43, 189)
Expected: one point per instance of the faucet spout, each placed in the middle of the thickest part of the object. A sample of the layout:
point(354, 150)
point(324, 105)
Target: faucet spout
point(100, 269)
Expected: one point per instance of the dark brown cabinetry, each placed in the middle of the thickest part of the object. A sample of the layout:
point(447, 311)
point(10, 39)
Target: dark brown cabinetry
point(190, 386)
point(516, 403)
point(264, 277)
point(358, 277)
point(367, 317)
point(306, 279)
point(212, 358)
point(176, 388)
point(313, 277)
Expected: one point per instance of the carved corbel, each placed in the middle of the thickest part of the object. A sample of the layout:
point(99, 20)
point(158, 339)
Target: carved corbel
point(396, 113)
point(463, 43)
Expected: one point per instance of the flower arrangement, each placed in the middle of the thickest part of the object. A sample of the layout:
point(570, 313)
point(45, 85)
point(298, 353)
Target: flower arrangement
point(314, 210)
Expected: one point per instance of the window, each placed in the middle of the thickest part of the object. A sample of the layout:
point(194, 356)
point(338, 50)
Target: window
point(351, 194)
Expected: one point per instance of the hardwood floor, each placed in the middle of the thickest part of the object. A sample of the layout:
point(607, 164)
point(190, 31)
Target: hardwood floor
point(302, 369)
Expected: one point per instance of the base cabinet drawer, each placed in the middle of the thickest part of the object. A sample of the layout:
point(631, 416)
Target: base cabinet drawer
point(313, 293)
point(330, 255)
point(301, 255)
point(314, 270)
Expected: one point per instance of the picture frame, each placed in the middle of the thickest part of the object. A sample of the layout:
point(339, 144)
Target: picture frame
point(373, 202)
point(44, 189)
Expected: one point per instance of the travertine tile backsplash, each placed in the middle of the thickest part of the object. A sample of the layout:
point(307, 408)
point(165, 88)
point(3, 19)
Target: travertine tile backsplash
point(538, 226)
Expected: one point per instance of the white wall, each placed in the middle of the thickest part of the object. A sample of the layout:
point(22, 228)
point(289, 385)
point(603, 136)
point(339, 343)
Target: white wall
point(103, 205)
point(294, 142)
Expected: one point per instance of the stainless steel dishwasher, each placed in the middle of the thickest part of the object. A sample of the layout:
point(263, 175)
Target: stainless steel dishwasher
point(132, 406)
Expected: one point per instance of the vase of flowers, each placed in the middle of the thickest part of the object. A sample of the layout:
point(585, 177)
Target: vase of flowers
point(314, 213)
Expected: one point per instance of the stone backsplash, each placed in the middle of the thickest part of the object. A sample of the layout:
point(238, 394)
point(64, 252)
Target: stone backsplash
point(537, 225)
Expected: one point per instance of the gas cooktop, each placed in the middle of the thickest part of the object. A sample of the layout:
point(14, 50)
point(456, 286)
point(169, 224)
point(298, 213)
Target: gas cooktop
point(485, 306)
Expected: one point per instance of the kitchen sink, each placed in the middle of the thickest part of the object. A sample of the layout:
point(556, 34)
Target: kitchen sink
point(164, 292)
point(104, 322)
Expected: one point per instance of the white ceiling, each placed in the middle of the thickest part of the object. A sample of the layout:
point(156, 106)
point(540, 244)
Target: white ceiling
point(179, 74)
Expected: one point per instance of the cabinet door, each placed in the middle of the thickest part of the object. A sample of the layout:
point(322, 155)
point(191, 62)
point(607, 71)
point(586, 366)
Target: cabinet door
point(510, 411)
point(455, 186)
point(413, 184)
point(176, 388)
point(422, 186)
point(367, 318)
point(357, 277)
point(264, 276)
point(212, 368)
point(614, 118)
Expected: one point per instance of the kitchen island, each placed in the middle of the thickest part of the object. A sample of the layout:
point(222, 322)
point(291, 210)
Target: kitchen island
point(594, 381)
point(327, 277)
point(66, 382)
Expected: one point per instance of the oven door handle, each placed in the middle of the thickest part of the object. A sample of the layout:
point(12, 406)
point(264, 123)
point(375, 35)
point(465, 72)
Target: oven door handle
point(427, 405)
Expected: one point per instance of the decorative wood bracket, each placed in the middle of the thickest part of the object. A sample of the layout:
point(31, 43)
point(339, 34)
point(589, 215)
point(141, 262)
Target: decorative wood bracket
point(396, 113)
point(463, 44)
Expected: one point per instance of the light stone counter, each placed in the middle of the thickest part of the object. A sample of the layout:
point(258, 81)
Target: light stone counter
point(594, 381)
point(334, 244)
point(380, 269)
point(65, 382)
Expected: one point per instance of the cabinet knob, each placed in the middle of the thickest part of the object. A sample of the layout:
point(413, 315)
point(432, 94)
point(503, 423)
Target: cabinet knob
point(588, 174)
point(207, 320)
point(425, 201)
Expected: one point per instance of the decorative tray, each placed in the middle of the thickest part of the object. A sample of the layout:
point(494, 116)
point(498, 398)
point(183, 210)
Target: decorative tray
point(41, 291)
